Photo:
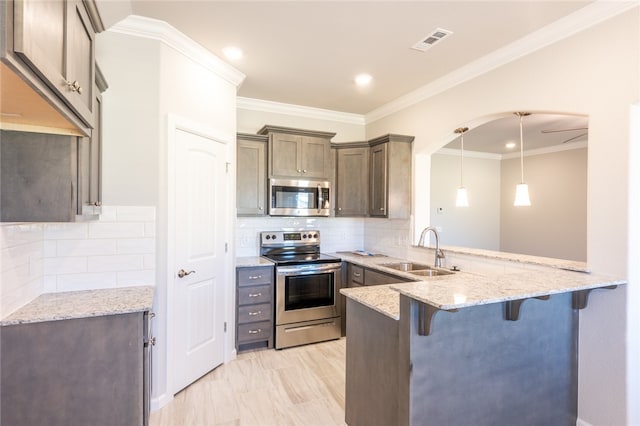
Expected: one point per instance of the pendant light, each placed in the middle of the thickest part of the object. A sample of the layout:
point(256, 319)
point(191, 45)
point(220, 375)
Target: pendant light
point(461, 196)
point(522, 189)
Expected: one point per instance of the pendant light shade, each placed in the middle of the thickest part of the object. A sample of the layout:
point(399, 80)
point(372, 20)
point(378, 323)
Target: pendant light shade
point(522, 189)
point(461, 197)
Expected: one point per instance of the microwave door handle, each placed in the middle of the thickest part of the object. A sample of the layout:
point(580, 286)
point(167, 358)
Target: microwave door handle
point(320, 199)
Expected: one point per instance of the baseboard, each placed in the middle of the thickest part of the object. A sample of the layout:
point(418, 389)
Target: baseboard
point(581, 422)
point(161, 401)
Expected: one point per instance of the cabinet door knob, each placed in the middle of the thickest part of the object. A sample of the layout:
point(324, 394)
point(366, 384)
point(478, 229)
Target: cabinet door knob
point(381, 208)
point(182, 273)
point(260, 208)
point(299, 171)
point(304, 171)
point(74, 86)
point(97, 203)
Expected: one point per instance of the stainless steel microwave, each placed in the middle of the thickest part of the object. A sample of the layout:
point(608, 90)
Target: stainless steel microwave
point(290, 197)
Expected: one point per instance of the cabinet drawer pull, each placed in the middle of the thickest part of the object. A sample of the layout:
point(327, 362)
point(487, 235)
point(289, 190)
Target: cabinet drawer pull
point(253, 314)
point(357, 274)
point(255, 294)
point(255, 277)
point(255, 331)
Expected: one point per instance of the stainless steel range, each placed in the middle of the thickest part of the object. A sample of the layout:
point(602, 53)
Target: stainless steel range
point(307, 285)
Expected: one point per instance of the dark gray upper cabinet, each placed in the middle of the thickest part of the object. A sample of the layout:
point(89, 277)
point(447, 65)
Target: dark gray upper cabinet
point(352, 179)
point(56, 39)
point(390, 177)
point(297, 153)
point(251, 175)
point(90, 157)
point(47, 51)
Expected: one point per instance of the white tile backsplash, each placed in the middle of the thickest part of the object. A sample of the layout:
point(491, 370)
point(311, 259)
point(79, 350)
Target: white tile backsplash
point(21, 267)
point(116, 250)
point(116, 230)
point(336, 234)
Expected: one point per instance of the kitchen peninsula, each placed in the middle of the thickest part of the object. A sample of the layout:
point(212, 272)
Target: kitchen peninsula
point(470, 348)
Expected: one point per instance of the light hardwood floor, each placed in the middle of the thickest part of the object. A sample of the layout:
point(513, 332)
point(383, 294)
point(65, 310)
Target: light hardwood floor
point(296, 386)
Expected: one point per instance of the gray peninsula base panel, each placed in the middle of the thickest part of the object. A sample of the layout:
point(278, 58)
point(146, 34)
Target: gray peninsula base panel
point(83, 371)
point(474, 368)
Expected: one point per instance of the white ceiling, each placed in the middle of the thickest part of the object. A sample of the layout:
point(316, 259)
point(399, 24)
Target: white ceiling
point(308, 52)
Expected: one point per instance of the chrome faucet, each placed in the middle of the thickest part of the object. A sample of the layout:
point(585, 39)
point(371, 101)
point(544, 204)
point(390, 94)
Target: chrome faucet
point(439, 255)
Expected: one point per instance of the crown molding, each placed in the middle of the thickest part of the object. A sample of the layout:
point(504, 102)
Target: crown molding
point(469, 154)
point(588, 16)
point(548, 150)
point(492, 156)
point(140, 26)
point(251, 104)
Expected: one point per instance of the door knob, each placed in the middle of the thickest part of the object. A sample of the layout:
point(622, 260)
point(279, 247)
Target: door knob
point(182, 273)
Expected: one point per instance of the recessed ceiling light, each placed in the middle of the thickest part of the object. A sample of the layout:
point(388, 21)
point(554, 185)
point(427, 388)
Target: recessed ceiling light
point(363, 79)
point(510, 145)
point(232, 53)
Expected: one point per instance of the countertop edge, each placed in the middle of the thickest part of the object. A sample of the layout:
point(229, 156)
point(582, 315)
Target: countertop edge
point(83, 304)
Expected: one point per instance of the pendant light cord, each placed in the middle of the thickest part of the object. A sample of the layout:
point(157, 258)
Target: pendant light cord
point(521, 152)
point(461, 157)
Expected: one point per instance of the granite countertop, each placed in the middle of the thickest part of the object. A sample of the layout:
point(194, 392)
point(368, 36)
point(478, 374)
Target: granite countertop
point(465, 289)
point(569, 265)
point(83, 304)
point(381, 298)
point(252, 261)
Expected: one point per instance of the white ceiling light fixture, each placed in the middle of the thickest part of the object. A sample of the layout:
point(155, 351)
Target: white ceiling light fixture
point(522, 189)
point(510, 145)
point(232, 53)
point(461, 197)
point(429, 41)
point(363, 79)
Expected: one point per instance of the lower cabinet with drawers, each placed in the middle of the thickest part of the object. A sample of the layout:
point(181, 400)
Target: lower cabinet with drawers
point(254, 307)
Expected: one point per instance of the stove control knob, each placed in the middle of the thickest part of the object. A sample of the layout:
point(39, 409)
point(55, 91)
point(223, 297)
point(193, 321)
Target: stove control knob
point(304, 235)
point(315, 235)
point(268, 237)
point(273, 237)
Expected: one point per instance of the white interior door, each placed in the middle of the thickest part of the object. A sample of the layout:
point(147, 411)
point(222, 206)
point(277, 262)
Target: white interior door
point(200, 273)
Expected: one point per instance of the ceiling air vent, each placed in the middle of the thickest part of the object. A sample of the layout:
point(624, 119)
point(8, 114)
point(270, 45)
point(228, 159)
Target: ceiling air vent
point(429, 41)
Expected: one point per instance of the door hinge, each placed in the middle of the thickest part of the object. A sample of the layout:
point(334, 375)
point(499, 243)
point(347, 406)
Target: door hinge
point(228, 164)
point(226, 247)
point(225, 326)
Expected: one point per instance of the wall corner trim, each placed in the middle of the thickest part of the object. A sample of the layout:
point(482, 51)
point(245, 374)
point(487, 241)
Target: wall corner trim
point(140, 26)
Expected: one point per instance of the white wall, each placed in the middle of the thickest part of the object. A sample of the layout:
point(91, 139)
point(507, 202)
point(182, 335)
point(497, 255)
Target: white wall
point(587, 74)
point(476, 226)
point(154, 72)
point(555, 225)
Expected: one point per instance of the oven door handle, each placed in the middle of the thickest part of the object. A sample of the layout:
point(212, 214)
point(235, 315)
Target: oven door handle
point(311, 269)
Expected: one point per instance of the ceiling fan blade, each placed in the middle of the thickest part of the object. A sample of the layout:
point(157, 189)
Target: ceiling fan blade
point(575, 137)
point(564, 130)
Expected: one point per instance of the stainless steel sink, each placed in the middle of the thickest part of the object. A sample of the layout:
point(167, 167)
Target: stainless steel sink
point(419, 269)
point(431, 272)
point(407, 266)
